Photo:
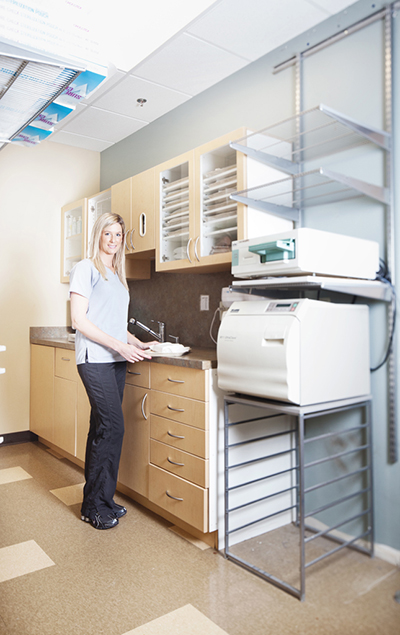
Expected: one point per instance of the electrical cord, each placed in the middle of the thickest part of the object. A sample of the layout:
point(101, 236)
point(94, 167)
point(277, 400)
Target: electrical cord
point(217, 310)
point(383, 275)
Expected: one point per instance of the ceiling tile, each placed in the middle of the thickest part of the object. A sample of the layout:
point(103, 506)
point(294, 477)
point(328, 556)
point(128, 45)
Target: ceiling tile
point(105, 86)
point(104, 125)
point(123, 98)
point(189, 65)
point(332, 6)
point(255, 27)
point(79, 141)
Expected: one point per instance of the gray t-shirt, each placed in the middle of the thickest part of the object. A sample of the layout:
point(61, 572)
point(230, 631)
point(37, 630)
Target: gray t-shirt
point(108, 310)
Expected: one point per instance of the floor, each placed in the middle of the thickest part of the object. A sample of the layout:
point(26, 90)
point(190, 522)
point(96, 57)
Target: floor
point(59, 576)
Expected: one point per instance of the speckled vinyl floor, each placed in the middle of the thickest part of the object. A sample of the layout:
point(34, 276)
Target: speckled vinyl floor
point(59, 576)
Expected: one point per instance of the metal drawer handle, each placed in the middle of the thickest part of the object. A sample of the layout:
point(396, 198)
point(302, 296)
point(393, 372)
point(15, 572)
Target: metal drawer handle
point(174, 497)
point(177, 381)
point(173, 462)
point(142, 406)
point(176, 409)
point(131, 372)
point(65, 359)
point(175, 436)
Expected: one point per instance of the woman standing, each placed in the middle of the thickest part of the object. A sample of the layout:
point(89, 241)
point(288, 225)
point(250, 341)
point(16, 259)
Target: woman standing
point(99, 313)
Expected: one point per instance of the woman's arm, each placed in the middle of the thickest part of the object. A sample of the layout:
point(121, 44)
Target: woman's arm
point(143, 345)
point(79, 307)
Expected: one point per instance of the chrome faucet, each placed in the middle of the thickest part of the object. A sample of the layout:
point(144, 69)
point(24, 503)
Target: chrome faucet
point(161, 329)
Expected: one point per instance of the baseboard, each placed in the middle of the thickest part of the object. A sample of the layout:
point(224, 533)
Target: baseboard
point(26, 436)
point(384, 552)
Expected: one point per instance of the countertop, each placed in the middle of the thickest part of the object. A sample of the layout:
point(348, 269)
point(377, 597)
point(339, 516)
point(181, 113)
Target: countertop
point(198, 358)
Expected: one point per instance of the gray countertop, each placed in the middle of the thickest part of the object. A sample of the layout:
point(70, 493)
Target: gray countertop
point(198, 358)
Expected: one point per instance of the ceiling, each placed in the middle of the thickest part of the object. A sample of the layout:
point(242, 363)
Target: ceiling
point(226, 37)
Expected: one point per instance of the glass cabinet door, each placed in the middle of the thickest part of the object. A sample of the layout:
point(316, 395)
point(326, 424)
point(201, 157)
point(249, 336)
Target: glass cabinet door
point(218, 213)
point(97, 205)
point(175, 215)
point(73, 236)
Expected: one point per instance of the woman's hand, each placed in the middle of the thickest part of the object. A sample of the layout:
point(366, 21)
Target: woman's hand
point(133, 353)
point(142, 345)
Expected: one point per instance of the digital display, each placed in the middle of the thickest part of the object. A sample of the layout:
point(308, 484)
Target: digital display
point(282, 306)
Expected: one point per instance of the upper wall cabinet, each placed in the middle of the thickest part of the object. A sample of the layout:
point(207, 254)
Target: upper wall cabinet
point(73, 236)
point(77, 220)
point(134, 200)
point(196, 219)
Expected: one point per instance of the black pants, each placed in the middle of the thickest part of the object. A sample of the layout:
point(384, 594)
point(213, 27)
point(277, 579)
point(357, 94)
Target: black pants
point(104, 384)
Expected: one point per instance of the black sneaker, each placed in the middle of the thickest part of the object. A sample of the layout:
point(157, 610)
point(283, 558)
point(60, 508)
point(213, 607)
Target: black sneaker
point(101, 522)
point(118, 510)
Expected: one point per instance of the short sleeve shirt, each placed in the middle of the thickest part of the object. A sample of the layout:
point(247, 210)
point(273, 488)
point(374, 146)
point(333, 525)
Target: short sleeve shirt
point(108, 310)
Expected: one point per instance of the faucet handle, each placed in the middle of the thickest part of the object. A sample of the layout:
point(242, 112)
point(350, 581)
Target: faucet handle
point(174, 338)
point(161, 329)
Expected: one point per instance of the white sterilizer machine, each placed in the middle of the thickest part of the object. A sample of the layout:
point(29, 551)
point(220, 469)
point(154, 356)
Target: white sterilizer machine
point(299, 351)
point(305, 251)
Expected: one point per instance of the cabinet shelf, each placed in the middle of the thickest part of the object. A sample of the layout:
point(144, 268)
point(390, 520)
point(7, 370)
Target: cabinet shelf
point(322, 186)
point(372, 289)
point(310, 135)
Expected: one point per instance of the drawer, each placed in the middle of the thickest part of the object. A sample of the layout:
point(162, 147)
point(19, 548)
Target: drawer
point(66, 365)
point(178, 380)
point(194, 413)
point(185, 500)
point(138, 374)
point(180, 436)
point(188, 466)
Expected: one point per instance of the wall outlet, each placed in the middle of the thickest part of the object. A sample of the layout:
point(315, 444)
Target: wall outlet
point(204, 303)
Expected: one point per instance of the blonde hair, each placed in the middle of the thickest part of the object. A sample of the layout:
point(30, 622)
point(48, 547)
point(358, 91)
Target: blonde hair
point(103, 221)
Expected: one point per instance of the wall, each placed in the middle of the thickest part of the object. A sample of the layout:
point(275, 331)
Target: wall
point(347, 76)
point(34, 184)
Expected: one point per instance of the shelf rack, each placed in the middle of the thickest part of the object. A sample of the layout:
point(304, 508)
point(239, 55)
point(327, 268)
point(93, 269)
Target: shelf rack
point(294, 498)
point(372, 289)
point(312, 134)
point(289, 146)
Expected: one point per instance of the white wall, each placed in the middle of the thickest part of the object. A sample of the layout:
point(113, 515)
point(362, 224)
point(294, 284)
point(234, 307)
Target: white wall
point(34, 184)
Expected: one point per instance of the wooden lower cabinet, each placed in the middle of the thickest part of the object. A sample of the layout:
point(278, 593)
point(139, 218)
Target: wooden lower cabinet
point(42, 391)
point(167, 456)
point(60, 408)
point(179, 497)
point(134, 464)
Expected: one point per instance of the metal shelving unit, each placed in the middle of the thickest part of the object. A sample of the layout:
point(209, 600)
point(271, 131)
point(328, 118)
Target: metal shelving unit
point(292, 145)
point(304, 475)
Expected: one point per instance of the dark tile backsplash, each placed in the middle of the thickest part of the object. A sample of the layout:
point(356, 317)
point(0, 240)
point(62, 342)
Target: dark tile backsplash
point(174, 298)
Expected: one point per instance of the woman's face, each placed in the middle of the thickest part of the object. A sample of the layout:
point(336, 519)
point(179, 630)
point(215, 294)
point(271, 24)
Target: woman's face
point(111, 239)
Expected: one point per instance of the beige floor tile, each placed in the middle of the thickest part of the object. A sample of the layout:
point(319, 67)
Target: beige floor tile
point(25, 557)
point(70, 495)
point(200, 544)
point(184, 621)
point(12, 474)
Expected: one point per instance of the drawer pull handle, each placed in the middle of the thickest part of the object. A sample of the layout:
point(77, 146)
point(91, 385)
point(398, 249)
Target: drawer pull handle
point(174, 497)
point(65, 359)
point(131, 372)
point(175, 436)
point(177, 381)
point(173, 462)
point(176, 409)
point(142, 406)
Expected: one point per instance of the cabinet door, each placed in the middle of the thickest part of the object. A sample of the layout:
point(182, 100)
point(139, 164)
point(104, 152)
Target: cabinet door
point(142, 237)
point(175, 213)
point(42, 391)
point(73, 236)
point(97, 205)
point(134, 464)
point(219, 170)
point(65, 402)
point(121, 203)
